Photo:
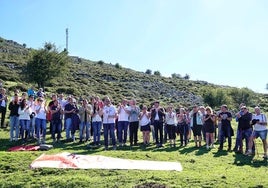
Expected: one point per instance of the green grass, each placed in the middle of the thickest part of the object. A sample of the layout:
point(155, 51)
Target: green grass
point(201, 168)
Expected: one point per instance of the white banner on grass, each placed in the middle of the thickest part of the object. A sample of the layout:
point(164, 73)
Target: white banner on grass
point(67, 160)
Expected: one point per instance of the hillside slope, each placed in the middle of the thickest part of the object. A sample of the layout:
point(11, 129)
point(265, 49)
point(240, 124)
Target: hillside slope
point(87, 78)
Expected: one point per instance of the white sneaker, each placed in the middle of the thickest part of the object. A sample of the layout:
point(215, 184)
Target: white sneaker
point(248, 153)
point(207, 146)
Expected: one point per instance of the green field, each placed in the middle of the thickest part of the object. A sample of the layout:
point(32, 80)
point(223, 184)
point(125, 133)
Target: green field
point(201, 167)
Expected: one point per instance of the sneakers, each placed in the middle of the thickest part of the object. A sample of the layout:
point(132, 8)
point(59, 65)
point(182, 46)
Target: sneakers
point(207, 147)
point(249, 153)
point(265, 156)
point(212, 146)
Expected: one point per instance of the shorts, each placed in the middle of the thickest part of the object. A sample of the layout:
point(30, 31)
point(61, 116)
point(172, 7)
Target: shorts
point(146, 128)
point(261, 134)
point(197, 130)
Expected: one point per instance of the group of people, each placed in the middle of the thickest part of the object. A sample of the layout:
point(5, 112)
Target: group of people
point(29, 115)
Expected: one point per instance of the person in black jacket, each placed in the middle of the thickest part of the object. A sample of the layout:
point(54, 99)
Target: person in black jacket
point(158, 116)
point(14, 118)
point(244, 126)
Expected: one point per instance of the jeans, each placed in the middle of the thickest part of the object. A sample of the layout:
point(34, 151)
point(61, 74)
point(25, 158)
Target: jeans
point(225, 133)
point(41, 125)
point(25, 127)
point(109, 127)
point(56, 128)
point(68, 123)
point(82, 127)
point(238, 140)
point(32, 127)
point(158, 128)
point(14, 125)
point(246, 134)
point(122, 126)
point(96, 131)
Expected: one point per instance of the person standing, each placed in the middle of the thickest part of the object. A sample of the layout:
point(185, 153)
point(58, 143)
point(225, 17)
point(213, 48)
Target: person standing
point(260, 130)
point(24, 117)
point(183, 126)
point(133, 122)
point(31, 92)
point(171, 121)
point(85, 112)
point(238, 140)
point(31, 104)
point(226, 129)
point(123, 115)
point(3, 106)
point(40, 120)
point(145, 125)
point(14, 118)
point(97, 123)
point(196, 124)
point(158, 117)
point(244, 127)
point(209, 127)
point(56, 112)
point(109, 115)
point(69, 110)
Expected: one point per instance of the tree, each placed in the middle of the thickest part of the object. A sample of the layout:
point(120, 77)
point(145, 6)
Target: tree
point(175, 75)
point(157, 73)
point(101, 62)
point(118, 66)
point(187, 77)
point(45, 64)
point(243, 95)
point(148, 71)
point(216, 97)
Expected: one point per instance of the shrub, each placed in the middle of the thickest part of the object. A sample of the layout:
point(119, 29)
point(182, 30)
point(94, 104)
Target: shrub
point(118, 66)
point(100, 62)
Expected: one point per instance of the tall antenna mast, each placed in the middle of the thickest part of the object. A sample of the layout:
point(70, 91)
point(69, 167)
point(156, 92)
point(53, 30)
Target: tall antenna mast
point(67, 39)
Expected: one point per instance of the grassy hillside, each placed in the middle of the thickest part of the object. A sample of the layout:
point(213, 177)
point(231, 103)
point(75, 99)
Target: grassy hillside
point(87, 78)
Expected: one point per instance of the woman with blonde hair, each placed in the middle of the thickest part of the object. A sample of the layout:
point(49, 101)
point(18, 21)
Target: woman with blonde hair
point(209, 127)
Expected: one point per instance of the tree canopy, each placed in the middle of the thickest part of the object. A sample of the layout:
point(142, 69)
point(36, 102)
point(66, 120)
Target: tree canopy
point(45, 64)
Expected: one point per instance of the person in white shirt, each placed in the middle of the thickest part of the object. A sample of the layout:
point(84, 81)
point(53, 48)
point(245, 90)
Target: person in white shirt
point(3, 106)
point(260, 130)
point(145, 125)
point(109, 115)
point(96, 123)
point(123, 122)
point(40, 120)
point(24, 118)
point(31, 104)
point(171, 121)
